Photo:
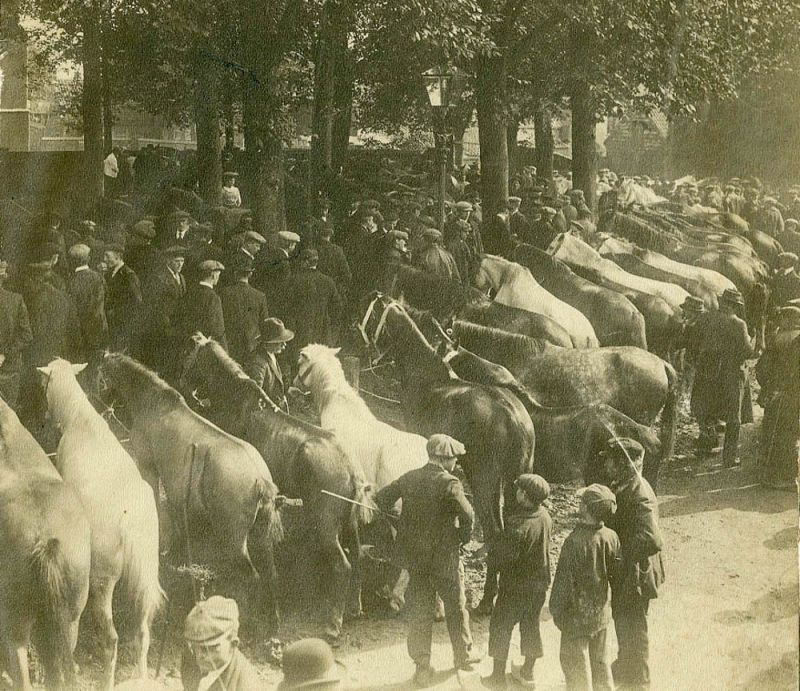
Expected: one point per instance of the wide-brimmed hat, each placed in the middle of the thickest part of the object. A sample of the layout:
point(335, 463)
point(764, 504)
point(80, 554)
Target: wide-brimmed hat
point(274, 331)
point(309, 663)
point(210, 619)
point(732, 297)
point(445, 446)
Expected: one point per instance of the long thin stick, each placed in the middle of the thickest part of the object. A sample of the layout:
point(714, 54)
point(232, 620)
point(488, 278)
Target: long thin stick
point(357, 503)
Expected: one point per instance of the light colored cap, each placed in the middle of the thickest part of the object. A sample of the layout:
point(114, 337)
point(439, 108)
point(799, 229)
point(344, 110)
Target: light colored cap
point(444, 446)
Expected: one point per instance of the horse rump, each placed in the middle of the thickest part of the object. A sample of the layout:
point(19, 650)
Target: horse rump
point(269, 513)
point(59, 607)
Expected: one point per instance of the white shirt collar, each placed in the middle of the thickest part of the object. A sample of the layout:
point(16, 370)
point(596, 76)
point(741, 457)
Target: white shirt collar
point(116, 269)
point(84, 267)
point(208, 285)
point(247, 253)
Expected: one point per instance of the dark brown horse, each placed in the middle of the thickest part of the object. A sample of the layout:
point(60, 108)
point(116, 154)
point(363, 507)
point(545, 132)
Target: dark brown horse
point(44, 571)
point(492, 423)
point(217, 486)
point(303, 459)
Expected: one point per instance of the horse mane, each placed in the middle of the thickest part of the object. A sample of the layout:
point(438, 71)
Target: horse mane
point(641, 234)
point(542, 258)
point(427, 290)
point(517, 343)
point(323, 360)
point(147, 382)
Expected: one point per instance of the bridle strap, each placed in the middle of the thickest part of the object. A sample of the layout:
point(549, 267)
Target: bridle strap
point(362, 327)
point(381, 323)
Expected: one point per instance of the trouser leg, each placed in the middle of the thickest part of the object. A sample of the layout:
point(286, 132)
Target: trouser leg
point(530, 636)
point(574, 657)
point(421, 596)
point(450, 587)
point(730, 450)
point(598, 660)
point(505, 615)
point(630, 622)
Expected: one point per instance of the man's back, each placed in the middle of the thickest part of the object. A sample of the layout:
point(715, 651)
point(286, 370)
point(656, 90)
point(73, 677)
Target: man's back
point(720, 344)
point(244, 309)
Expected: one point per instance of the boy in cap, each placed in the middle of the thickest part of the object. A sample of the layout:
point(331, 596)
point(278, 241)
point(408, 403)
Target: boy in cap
point(436, 520)
point(212, 660)
point(579, 600)
point(522, 558)
point(309, 663)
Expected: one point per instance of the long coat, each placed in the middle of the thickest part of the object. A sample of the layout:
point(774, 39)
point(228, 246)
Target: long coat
point(156, 329)
point(778, 372)
point(123, 298)
point(266, 371)
point(315, 308)
point(436, 260)
point(244, 309)
point(273, 269)
point(15, 336)
point(333, 263)
point(88, 291)
point(719, 346)
point(201, 310)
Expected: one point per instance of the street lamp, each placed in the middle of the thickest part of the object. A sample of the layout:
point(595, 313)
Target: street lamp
point(439, 83)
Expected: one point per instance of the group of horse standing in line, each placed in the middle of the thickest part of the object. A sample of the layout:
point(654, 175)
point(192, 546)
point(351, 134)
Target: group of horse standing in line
point(555, 361)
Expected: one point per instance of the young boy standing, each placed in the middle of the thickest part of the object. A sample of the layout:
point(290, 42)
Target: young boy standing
point(523, 559)
point(579, 600)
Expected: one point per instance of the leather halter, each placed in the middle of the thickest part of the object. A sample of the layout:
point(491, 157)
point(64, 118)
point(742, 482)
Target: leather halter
point(362, 327)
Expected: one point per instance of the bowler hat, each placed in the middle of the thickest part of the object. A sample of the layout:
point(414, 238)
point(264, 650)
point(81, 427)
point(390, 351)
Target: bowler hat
point(273, 331)
point(210, 619)
point(732, 296)
point(178, 215)
point(535, 487)
point(309, 663)
point(445, 446)
point(624, 446)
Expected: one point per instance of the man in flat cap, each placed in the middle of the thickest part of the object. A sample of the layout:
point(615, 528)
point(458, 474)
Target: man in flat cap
point(212, 660)
point(161, 297)
point(720, 346)
point(315, 307)
point(201, 308)
point(244, 308)
point(778, 374)
point(518, 222)
point(273, 268)
point(434, 258)
point(88, 292)
point(522, 558)
point(15, 336)
point(140, 255)
point(245, 246)
point(436, 520)
point(123, 297)
point(174, 229)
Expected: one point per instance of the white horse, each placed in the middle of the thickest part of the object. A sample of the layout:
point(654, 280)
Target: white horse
point(515, 286)
point(119, 504)
point(382, 451)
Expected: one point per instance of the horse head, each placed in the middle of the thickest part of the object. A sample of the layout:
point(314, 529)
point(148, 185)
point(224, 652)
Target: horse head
point(316, 364)
point(60, 386)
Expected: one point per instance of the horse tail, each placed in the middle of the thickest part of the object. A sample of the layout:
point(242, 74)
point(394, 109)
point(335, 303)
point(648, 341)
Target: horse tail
point(141, 559)
point(669, 413)
point(50, 573)
point(269, 512)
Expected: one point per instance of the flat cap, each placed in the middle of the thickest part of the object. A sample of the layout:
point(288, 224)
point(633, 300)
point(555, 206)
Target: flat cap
point(431, 234)
point(789, 313)
point(252, 236)
point(144, 229)
point(624, 446)
point(113, 247)
point(464, 206)
point(786, 259)
point(175, 251)
point(370, 204)
point(692, 304)
point(289, 236)
point(600, 499)
point(79, 251)
point(535, 487)
point(211, 265)
point(549, 210)
point(230, 174)
point(178, 214)
point(733, 296)
point(211, 619)
point(444, 446)
point(515, 200)
point(308, 253)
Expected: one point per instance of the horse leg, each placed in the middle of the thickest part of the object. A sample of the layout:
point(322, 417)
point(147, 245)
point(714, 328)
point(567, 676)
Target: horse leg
point(397, 600)
point(337, 588)
point(352, 539)
point(100, 597)
point(146, 616)
point(486, 491)
point(17, 640)
point(262, 550)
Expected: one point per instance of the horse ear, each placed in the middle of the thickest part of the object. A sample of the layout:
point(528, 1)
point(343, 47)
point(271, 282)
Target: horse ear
point(335, 351)
point(46, 371)
point(77, 369)
point(199, 338)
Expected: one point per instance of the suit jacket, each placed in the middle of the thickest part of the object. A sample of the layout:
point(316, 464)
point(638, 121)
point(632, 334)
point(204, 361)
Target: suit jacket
point(155, 332)
point(333, 263)
point(438, 261)
point(519, 224)
point(244, 309)
point(239, 675)
point(266, 372)
point(496, 235)
point(273, 269)
point(123, 297)
point(15, 327)
point(315, 308)
point(144, 259)
point(54, 324)
point(201, 310)
point(88, 290)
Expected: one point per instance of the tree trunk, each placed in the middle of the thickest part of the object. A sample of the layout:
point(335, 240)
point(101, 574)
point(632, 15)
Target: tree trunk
point(343, 120)
point(321, 155)
point(543, 132)
point(264, 157)
point(512, 132)
point(209, 143)
point(490, 100)
point(584, 163)
point(92, 109)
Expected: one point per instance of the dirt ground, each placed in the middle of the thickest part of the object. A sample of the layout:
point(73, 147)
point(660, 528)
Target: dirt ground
point(725, 619)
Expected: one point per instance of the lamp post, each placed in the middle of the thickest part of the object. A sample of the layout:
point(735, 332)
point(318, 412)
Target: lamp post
point(438, 84)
